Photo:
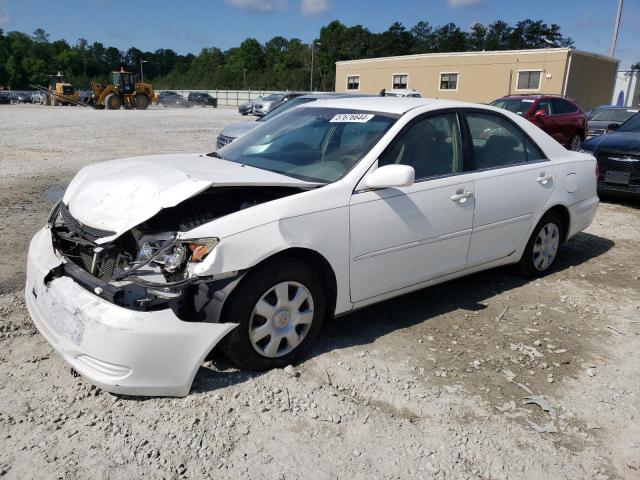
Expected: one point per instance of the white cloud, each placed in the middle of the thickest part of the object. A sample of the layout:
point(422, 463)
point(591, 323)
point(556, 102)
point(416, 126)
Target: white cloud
point(259, 6)
point(465, 3)
point(314, 7)
point(5, 16)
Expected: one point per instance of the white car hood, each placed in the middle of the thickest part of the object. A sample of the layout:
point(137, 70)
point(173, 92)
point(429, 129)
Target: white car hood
point(240, 128)
point(119, 194)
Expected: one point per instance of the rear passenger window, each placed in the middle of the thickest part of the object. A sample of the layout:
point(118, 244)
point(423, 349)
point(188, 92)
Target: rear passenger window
point(431, 145)
point(499, 143)
point(562, 106)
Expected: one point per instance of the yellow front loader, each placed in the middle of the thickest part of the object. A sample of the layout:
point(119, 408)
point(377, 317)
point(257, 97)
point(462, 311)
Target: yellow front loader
point(60, 92)
point(123, 91)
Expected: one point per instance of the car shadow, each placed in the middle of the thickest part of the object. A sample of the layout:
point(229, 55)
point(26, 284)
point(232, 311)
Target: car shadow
point(366, 325)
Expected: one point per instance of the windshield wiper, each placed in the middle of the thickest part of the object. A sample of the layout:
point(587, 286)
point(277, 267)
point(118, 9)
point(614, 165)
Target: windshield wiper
point(215, 155)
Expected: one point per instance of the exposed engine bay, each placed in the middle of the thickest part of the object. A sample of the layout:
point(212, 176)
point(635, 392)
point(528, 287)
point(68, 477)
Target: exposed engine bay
point(145, 268)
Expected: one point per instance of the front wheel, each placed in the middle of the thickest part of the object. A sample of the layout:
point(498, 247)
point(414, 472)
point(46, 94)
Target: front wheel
point(141, 101)
point(542, 249)
point(280, 308)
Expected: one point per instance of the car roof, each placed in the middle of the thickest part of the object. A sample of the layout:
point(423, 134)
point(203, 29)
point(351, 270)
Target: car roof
point(393, 105)
point(536, 95)
point(327, 95)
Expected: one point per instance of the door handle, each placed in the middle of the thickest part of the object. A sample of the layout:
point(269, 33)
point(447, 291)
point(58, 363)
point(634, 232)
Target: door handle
point(544, 179)
point(461, 196)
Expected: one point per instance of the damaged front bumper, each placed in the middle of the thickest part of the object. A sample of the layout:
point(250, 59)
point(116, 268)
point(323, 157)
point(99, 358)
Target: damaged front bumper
point(117, 349)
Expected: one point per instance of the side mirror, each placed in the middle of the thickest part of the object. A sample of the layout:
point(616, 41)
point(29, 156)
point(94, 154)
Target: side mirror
point(539, 114)
point(391, 176)
point(613, 126)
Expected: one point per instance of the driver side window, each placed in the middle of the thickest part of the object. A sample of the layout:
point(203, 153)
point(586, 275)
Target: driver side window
point(431, 145)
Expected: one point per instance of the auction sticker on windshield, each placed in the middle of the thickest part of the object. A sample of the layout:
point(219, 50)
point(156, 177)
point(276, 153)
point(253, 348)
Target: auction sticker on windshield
point(352, 117)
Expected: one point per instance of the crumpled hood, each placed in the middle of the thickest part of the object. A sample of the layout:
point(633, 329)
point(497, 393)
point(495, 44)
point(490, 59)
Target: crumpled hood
point(240, 128)
point(119, 194)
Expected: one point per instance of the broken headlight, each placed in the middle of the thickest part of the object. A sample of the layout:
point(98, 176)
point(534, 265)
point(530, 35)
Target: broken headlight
point(176, 258)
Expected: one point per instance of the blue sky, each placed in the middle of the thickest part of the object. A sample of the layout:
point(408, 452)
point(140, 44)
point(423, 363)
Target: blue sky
point(190, 25)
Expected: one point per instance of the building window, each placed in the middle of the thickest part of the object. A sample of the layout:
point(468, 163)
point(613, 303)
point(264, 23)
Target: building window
point(448, 81)
point(353, 82)
point(400, 81)
point(529, 80)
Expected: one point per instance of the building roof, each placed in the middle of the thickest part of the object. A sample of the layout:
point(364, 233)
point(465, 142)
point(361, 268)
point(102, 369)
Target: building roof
point(481, 53)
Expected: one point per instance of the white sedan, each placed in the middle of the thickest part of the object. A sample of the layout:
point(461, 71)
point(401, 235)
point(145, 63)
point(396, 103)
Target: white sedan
point(148, 263)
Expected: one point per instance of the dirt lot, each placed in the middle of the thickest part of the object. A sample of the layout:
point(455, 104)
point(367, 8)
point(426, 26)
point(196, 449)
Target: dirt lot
point(429, 385)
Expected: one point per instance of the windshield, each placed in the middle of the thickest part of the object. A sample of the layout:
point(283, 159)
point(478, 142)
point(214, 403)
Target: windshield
point(284, 107)
point(271, 98)
point(631, 125)
point(313, 144)
point(519, 106)
point(614, 114)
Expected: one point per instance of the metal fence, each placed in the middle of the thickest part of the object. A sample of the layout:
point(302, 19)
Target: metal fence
point(228, 97)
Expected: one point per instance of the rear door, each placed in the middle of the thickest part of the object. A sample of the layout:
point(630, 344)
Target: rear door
point(549, 121)
point(513, 182)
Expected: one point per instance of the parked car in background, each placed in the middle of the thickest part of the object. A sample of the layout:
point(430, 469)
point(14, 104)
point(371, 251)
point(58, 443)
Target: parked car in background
point(5, 98)
point(203, 99)
point(21, 97)
point(37, 97)
point(608, 118)
point(172, 99)
point(591, 113)
point(148, 263)
point(401, 92)
point(233, 131)
point(270, 102)
point(247, 107)
point(618, 155)
point(559, 116)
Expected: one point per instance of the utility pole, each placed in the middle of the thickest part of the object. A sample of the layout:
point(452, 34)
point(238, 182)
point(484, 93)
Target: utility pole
point(313, 48)
point(616, 28)
point(141, 70)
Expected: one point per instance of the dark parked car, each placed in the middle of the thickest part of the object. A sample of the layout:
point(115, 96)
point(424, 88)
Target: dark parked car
point(559, 116)
point(22, 97)
point(606, 119)
point(618, 155)
point(203, 99)
point(5, 98)
point(172, 99)
point(247, 107)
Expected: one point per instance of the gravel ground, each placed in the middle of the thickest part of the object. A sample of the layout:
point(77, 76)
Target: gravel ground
point(430, 385)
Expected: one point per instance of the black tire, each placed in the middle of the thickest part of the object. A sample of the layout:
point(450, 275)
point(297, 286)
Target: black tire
point(112, 102)
point(141, 101)
point(237, 345)
point(574, 142)
point(530, 265)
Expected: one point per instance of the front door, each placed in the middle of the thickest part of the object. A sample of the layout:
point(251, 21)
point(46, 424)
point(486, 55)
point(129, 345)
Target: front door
point(404, 236)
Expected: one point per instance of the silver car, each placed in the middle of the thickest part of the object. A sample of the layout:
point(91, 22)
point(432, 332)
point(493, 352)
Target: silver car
point(270, 102)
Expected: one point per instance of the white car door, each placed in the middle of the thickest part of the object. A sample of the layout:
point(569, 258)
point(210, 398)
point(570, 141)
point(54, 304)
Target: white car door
point(404, 236)
point(513, 182)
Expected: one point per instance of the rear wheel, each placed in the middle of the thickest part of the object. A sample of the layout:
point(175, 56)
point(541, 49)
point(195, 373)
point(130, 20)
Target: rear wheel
point(574, 143)
point(280, 307)
point(542, 249)
point(112, 102)
point(141, 101)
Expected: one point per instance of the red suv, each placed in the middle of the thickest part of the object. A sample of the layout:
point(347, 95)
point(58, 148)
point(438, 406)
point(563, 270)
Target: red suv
point(559, 116)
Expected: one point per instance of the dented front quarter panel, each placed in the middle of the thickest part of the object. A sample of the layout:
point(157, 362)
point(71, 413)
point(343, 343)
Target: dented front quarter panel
point(120, 350)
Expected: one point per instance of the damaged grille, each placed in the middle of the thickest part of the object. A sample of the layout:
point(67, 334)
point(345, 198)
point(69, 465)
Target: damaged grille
point(80, 229)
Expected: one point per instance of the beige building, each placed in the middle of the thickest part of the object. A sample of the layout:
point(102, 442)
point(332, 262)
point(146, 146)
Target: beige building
point(484, 76)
